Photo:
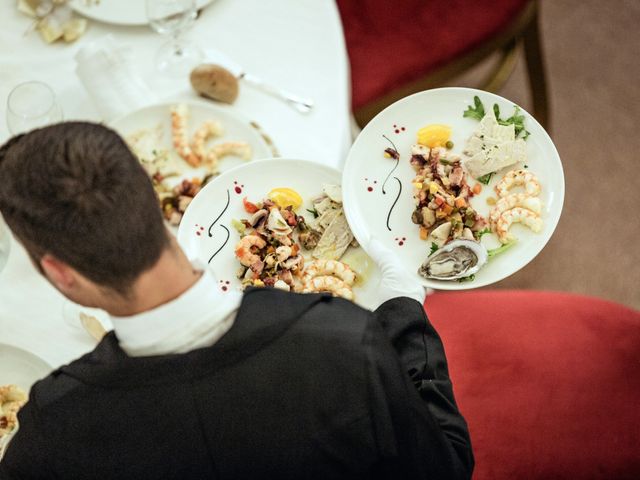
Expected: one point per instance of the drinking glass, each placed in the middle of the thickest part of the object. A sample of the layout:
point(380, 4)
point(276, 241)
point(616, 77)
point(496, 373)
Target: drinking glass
point(173, 17)
point(31, 105)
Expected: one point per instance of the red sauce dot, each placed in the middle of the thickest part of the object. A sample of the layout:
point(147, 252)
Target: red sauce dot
point(224, 289)
point(198, 233)
point(403, 129)
point(394, 125)
point(397, 131)
point(235, 183)
point(366, 179)
point(201, 228)
point(238, 190)
point(370, 189)
point(227, 282)
point(401, 243)
point(375, 181)
point(404, 238)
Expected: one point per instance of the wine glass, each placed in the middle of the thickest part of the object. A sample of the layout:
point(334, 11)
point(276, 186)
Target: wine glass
point(173, 17)
point(31, 105)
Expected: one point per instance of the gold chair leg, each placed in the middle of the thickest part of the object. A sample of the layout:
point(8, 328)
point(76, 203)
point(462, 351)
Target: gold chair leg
point(501, 73)
point(536, 72)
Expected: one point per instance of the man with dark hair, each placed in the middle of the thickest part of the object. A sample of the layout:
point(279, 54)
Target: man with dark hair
point(196, 384)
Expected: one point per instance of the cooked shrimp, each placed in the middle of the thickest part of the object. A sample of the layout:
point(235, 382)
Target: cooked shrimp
point(515, 178)
point(214, 154)
point(327, 283)
point(210, 161)
point(237, 149)
point(206, 131)
point(323, 267)
point(516, 215)
point(244, 249)
point(179, 114)
point(514, 200)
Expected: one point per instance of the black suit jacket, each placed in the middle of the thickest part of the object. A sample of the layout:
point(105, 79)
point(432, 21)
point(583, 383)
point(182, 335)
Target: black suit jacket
point(302, 386)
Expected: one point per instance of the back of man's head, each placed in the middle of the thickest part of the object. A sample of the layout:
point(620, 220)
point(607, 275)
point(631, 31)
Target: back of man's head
point(74, 190)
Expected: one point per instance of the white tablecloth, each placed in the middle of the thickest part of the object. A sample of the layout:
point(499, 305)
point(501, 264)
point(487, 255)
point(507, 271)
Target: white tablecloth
point(294, 44)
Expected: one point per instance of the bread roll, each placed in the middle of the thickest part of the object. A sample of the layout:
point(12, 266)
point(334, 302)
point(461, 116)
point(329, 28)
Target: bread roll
point(215, 82)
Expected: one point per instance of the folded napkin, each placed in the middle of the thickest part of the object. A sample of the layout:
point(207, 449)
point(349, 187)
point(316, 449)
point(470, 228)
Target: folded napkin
point(107, 72)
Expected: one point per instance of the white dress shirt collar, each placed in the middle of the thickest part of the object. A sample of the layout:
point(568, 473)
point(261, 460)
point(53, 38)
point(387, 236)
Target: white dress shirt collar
point(197, 318)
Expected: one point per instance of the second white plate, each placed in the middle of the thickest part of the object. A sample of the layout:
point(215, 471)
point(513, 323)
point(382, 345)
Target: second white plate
point(236, 128)
point(378, 194)
point(206, 232)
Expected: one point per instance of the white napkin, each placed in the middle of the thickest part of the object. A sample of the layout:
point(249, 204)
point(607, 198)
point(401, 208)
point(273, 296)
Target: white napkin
point(107, 73)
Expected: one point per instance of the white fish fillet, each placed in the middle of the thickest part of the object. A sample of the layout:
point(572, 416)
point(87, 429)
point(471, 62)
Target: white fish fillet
point(335, 239)
point(493, 147)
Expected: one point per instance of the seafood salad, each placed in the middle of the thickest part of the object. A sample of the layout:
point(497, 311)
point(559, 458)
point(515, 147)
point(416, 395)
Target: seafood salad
point(186, 152)
point(443, 195)
point(283, 249)
point(12, 399)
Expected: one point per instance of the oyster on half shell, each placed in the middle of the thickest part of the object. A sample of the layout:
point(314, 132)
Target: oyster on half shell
point(458, 258)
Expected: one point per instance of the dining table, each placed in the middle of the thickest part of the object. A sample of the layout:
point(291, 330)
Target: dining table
point(296, 45)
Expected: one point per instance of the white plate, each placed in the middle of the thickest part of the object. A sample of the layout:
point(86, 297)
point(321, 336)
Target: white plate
point(20, 367)
point(236, 128)
point(370, 211)
point(119, 12)
point(220, 202)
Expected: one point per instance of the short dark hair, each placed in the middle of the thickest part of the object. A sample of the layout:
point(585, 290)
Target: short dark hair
point(75, 190)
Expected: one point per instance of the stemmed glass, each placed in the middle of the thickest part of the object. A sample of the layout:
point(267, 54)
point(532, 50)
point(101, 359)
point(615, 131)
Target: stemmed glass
point(31, 105)
point(173, 17)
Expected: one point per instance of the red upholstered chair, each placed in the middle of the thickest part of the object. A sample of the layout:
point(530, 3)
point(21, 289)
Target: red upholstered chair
point(549, 382)
point(402, 47)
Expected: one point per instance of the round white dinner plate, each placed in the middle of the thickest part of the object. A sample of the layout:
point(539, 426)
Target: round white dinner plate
point(206, 231)
point(378, 194)
point(118, 12)
point(236, 128)
point(20, 367)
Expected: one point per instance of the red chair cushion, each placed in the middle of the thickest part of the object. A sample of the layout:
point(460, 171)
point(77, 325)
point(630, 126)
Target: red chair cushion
point(548, 382)
point(393, 43)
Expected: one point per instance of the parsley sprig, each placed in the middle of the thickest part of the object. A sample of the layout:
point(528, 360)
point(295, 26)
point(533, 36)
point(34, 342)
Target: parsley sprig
point(517, 119)
point(477, 111)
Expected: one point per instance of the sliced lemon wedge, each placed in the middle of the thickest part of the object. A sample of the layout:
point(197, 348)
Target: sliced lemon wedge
point(284, 197)
point(434, 135)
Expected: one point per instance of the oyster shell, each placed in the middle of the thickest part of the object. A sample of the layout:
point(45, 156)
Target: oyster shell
point(458, 258)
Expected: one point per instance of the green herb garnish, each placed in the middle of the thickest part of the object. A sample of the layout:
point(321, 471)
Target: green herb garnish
point(485, 178)
point(313, 212)
point(503, 248)
point(434, 247)
point(476, 112)
point(470, 278)
point(482, 232)
point(517, 120)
